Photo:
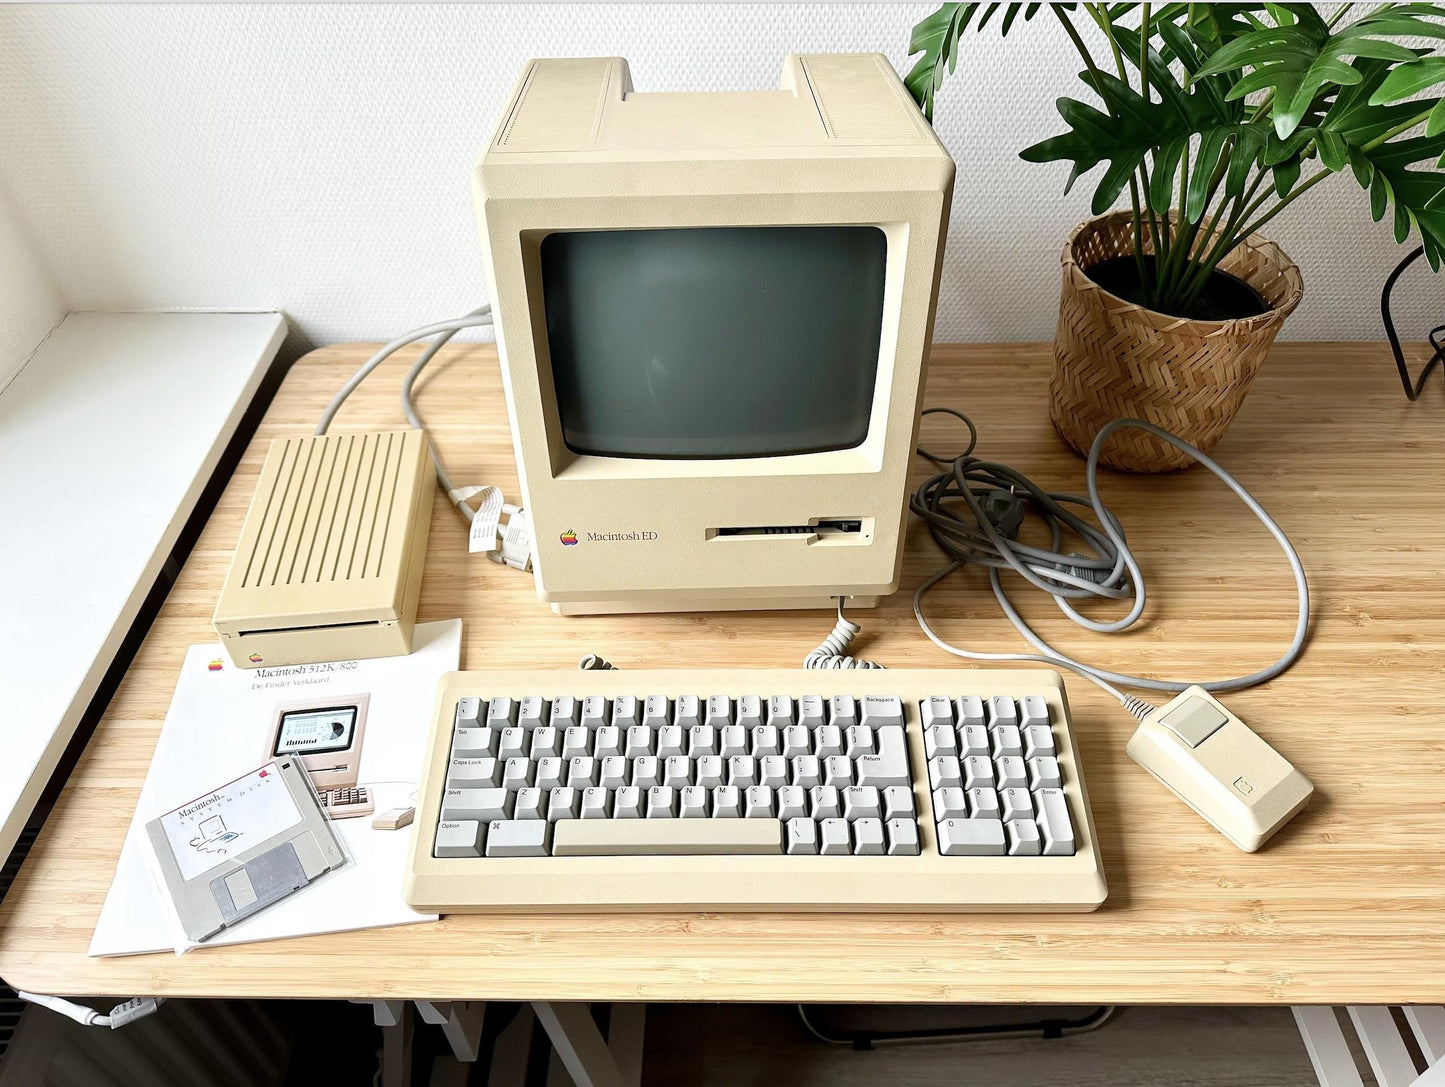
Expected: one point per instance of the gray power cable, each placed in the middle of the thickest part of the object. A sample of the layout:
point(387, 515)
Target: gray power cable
point(1112, 572)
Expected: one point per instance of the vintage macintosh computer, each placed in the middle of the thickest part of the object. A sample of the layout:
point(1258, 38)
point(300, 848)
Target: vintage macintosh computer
point(713, 314)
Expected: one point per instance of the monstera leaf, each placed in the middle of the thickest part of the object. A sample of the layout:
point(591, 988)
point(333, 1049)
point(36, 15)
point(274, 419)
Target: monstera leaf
point(936, 37)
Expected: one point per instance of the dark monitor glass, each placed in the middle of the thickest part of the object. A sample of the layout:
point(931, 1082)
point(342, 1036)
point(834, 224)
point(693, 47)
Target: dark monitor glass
point(714, 342)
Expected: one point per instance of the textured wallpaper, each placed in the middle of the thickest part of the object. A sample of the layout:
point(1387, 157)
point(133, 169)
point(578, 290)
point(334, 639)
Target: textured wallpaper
point(29, 303)
point(315, 158)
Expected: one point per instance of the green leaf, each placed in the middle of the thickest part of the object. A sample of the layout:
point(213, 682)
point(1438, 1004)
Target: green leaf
point(1334, 152)
point(1418, 195)
point(1211, 146)
point(1409, 80)
point(1285, 175)
point(1166, 169)
point(1435, 123)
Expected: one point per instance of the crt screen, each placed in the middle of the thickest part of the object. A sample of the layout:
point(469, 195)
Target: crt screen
point(310, 732)
point(714, 342)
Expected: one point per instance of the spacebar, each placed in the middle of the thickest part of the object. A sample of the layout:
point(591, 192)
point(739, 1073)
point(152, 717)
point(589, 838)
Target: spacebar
point(670, 837)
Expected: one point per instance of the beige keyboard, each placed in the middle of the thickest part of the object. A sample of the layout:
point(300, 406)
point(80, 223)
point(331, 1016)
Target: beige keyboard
point(912, 789)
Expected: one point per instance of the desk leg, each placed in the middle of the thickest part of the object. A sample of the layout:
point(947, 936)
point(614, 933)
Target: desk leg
point(461, 1022)
point(589, 1060)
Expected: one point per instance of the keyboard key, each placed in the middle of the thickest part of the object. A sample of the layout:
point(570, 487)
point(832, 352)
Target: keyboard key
point(562, 804)
point(612, 772)
point(692, 802)
point(838, 770)
point(549, 773)
point(1006, 740)
point(842, 711)
point(533, 712)
point(983, 803)
point(482, 805)
point(936, 710)
point(750, 710)
point(472, 743)
point(978, 771)
point(511, 743)
point(596, 803)
point(860, 741)
point(594, 712)
point(1044, 773)
point(458, 838)
point(661, 802)
point(797, 740)
point(529, 804)
point(834, 838)
point(868, 838)
point(766, 741)
point(898, 802)
point(711, 771)
point(501, 712)
point(971, 838)
point(780, 711)
point(940, 740)
point(1023, 838)
point(802, 837)
point(657, 711)
point(792, 801)
point(670, 741)
point(727, 802)
point(473, 773)
point(742, 770)
point(1010, 772)
point(566, 712)
point(862, 802)
point(719, 710)
point(577, 741)
point(1033, 710)
point(627, 802)
point(1016, 804)
point(758, 802)
point(970, 710)
point(545, 741)
point(902, 838)
point(606, 741)
point(878, 710)
point(626, 711)
point(807, 771)
point(972, 740)
point(733, 740)
point(890, 765)
point(468, 713)
point(667, 837)
point(944, 772)
point(687, 711)
point(519, 838)
point(639, 741)
point(825, 802)
point(949, 803)
point(1002, 711)
point(646, 772)
point(772, 771)
point(516, 774)
point(677, 771)
point(828, 740)
point(1054, 825)
point(701, 740)
point(582, 772)
point(1038, 741)
point(810, 711)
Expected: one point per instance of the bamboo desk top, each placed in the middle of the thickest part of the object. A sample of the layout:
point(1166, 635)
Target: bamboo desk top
point(1346, 905)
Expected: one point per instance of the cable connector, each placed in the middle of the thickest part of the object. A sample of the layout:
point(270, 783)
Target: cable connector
point(128, 1012)
point(593, 663)
point(1137, 706)
point(517, 541)
point(137, 1007)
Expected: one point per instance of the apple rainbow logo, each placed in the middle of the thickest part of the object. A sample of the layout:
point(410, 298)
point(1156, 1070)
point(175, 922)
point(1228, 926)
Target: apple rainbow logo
point(568, 538)
point(214, 666)
point(255, 658)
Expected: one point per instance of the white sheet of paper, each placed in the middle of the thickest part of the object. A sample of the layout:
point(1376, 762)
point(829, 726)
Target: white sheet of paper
point(218, 728)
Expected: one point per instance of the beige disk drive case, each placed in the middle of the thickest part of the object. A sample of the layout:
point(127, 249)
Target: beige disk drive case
point(329, 562)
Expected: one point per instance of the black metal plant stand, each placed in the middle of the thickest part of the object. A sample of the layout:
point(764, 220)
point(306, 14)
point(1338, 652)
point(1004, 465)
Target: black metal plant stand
point(1437, 335)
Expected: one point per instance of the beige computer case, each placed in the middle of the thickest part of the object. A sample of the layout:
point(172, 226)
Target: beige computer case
point(329, 562)
point(840, 142)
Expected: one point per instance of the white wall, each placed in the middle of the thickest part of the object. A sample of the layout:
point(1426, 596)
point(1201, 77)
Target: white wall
point(315, 158)
point(30, 306)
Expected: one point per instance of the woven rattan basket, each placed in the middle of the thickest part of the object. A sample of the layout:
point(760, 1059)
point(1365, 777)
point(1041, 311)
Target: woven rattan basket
point(1114, 359)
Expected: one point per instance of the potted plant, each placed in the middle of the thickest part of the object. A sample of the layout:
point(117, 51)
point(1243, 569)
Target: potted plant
point(1212, 119)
